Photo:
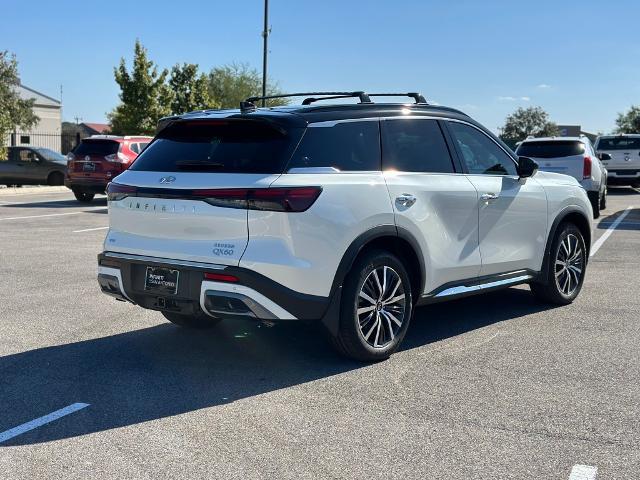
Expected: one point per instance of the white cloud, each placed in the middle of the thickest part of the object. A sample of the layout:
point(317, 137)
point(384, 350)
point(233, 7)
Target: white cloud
point(544, 86)
point(508, 98)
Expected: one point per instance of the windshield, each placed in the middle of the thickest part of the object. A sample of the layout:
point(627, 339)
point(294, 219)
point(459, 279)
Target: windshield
point(619, 143)
point(555, 149)
point(51, 155)
point(219, 146)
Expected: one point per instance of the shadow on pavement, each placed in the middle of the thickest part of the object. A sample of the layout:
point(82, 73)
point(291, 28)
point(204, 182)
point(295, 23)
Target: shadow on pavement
point(630, 222)
point(163, 370)
point(97, 202)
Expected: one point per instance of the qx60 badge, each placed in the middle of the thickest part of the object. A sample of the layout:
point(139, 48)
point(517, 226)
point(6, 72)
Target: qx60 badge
point(167, 179)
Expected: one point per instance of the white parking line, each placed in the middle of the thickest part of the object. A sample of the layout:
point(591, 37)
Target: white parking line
point(52, 214)
point(583, 472)
point(38, 422)
point(596, 246)
point(90, 229)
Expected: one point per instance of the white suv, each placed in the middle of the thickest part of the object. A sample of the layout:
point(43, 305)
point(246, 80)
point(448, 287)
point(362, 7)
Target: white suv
point(621, 155)
point(574, 156)
point(349, 214)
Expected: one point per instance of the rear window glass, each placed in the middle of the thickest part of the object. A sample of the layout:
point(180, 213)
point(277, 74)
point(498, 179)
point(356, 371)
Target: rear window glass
point(221, 147)
point(621, 143)
point(347, 146)
point(97, 147)
point(554, 149)
point(415, 145)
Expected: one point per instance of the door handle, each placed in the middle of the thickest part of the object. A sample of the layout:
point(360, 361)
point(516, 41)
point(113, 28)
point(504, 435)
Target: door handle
point(487, 197)
point(405, 200)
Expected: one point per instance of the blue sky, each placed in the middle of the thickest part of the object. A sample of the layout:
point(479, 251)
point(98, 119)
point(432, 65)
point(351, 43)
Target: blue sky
point(579, 60)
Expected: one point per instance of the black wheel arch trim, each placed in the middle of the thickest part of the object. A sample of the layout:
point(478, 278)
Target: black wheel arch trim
point(561, 217)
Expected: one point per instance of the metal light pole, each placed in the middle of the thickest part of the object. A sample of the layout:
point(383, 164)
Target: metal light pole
point(265, 35)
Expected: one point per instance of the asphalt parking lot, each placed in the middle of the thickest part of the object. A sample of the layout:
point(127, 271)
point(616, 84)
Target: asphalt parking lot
point(495, 386)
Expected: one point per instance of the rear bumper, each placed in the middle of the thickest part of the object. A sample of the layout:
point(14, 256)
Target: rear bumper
point(123, 276)
point(91, 185)
point(623, 177)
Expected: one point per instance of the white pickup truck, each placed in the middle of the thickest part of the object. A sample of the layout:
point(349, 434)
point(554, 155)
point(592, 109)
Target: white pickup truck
point(573, 156)
point(620, 154)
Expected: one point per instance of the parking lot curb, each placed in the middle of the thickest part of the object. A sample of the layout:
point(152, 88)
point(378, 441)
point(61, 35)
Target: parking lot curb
point(32, 190)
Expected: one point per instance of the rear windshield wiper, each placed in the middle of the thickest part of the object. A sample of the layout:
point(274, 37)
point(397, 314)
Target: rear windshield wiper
point(199, 166)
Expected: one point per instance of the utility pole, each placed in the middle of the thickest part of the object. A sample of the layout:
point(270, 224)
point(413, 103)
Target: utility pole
point(265, 35)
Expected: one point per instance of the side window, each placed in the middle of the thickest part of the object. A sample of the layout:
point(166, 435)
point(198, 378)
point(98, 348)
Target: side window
point(347, 146)
point(134, 148)
point(142, 146)
point(28, 156)
point(480, 153)
point(415, 145)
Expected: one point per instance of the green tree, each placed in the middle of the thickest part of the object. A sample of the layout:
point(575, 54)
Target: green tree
point(190, 89)
point(629, 122)
point(524, 122)
point(14, 111)
point(231, 84)
point(144, 94)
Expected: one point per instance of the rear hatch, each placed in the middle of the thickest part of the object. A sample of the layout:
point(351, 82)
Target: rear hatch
point(557, 156)
point(186, 196)
point(624, 151)
point(96, 159)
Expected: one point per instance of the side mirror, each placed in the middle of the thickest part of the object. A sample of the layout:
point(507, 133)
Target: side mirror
point(526, 167)
point(604, 156)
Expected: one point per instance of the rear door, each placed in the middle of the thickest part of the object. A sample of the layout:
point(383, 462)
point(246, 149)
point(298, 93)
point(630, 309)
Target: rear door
point(557, 156)
point(433, 201)
point(512, 213)
point(192, 184)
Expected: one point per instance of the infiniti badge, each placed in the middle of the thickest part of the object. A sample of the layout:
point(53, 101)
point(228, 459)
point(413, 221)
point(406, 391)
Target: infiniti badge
point(167, 179)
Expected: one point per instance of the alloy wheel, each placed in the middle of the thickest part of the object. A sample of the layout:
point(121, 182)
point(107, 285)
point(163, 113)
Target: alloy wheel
point(569, 265)
point(381, 306)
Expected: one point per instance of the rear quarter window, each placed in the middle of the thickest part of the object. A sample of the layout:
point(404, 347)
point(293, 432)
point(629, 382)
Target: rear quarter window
point(347, 146)
point(242, 146)
point(555, 149)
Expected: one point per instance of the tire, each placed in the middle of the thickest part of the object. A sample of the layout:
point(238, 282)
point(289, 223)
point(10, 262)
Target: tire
point(594, 198)
point(603, 200)
point(199, 322)
point(83, 197)
point(376, 335)
point(55, 179)
point(561, 285)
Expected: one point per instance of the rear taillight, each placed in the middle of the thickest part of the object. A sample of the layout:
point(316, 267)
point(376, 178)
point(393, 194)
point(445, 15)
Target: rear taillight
point(586, 169)
point(280, 199)
point(117, 158)
point(293, 199)
point(116, 191)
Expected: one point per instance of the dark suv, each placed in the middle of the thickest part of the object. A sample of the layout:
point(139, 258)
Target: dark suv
point(32, 166)
point(97, 160)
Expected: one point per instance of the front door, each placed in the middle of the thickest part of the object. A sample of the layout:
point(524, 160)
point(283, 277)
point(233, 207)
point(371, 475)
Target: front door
point(512, 212)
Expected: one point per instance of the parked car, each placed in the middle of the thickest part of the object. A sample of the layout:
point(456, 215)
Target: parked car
point(621, 155)
point(97, 160)
point(574, 156)
point(32, 166)
point(347, 214)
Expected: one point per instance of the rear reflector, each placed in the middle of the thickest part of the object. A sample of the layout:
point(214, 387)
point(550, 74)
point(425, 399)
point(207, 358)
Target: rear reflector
point(279, 199)
point(586, 170)
point(220, 277)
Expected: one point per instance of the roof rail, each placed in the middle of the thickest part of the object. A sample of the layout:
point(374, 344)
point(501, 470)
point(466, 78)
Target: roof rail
point(415, 95)
point(249, 104)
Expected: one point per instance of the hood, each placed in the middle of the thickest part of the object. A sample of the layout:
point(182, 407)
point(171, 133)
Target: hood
point(556, 178)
